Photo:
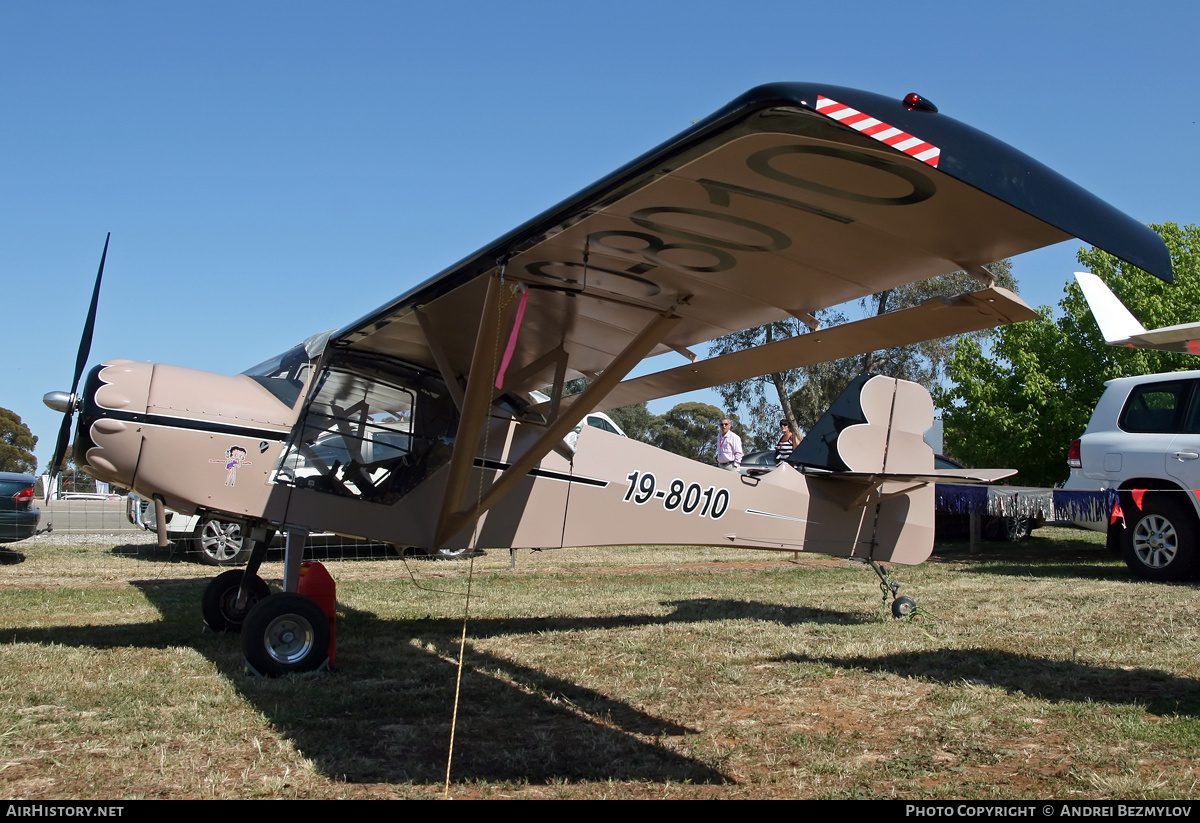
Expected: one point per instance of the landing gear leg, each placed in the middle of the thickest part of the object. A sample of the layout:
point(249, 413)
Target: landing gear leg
point(293, 556)
point(261, 536)
point(231, 596)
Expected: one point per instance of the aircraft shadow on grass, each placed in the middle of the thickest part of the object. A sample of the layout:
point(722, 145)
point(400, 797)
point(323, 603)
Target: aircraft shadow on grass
point(317, 549)
point(1058, 681)
point(385, 716)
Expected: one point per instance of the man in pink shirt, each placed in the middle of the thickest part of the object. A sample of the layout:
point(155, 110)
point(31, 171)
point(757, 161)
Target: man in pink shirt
point(729, 447)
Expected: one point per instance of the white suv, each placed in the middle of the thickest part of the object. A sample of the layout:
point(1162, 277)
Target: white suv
point(218, 542)
point(1144, 440)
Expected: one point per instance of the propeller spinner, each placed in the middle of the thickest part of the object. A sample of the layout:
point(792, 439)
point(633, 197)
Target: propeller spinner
point(69, 403)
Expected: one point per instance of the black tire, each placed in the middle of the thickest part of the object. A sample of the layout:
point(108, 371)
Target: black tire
point(219, 604)
point(286, 633)
point(456, 554)
point(1113, 538)
point(221, 542)
point(1159, 542)
point(1016, 529)
point(903, 607)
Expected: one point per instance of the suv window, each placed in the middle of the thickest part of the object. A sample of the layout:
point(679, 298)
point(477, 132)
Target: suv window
point(1156, 408)
point(601, 423)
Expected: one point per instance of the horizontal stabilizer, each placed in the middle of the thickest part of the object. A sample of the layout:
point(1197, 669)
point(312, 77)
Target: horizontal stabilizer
point(936, 317)
point(936, 476)
point(973, 475)
point(1120, 328)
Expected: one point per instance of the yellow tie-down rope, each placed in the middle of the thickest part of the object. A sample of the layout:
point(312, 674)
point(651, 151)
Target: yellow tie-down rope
point(462, 640)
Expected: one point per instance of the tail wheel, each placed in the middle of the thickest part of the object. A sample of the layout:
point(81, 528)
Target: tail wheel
point(286, 633)
point(903, 607)
point(220, 606)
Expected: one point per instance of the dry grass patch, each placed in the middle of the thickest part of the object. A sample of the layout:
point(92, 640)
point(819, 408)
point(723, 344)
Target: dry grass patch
point(1042, 670)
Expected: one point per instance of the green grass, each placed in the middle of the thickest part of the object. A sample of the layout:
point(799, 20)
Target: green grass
point(1041, 670)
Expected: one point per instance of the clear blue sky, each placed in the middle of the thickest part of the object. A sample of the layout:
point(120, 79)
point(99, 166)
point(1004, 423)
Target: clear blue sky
point(271, 169)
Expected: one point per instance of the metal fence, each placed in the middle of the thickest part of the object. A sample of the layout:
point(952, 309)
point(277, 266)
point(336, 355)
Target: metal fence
point(90, 520)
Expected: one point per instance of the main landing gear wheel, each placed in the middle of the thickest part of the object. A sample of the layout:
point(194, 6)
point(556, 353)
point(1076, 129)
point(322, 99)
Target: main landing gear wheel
point(903, 607)
point(286, 633)
point(219, 605)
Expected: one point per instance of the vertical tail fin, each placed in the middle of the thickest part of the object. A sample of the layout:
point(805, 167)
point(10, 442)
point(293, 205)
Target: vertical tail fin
point(875, 426)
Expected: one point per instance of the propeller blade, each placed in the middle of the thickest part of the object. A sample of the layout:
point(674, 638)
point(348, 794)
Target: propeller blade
point(81, 357)
point(85, 341)
point(60, 447)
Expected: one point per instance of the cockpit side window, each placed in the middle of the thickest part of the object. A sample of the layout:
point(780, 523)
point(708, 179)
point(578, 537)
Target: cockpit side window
point(373, 430)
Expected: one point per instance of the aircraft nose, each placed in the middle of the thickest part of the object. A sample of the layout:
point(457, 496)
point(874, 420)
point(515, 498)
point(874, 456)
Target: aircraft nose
point(112, 406)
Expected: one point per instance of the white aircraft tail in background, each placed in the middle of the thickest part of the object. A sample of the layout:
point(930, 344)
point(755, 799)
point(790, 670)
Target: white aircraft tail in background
point(1120, 328)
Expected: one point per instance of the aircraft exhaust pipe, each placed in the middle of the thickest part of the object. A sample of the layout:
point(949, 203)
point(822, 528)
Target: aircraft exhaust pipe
point(160, 520)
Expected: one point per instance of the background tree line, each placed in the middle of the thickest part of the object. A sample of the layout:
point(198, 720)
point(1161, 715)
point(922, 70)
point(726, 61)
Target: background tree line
point(16, 444)
point(803, 394)
point(1022, 399)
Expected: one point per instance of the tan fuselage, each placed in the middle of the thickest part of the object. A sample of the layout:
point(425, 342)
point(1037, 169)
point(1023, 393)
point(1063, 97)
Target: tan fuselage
point(204, 441)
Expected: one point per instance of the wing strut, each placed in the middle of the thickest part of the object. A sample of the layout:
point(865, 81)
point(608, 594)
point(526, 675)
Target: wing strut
point(936, 317)
point(477, 399)
point(556, 357)
point(454, 517)
point(440, 358)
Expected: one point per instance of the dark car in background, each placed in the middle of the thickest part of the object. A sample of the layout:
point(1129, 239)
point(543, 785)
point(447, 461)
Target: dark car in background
point(758, 463)
point(18, 516)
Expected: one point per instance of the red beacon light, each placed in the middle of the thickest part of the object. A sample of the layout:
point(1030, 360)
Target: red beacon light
point(912, 100)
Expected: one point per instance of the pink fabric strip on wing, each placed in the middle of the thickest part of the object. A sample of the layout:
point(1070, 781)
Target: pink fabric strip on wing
point(512, 339)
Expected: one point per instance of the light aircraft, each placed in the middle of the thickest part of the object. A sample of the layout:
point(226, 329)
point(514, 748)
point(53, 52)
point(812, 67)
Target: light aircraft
point(1119, 327)
point(416, 425)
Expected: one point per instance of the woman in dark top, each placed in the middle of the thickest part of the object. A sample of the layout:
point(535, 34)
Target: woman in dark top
point(787, 442)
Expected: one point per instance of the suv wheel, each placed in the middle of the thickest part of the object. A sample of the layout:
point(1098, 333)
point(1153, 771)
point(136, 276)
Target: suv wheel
point(1160, 542)
point(221, 542)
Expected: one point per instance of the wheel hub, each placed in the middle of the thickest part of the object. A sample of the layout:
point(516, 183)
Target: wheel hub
point(221, 541)
point(1155, 541)
point(288, 638)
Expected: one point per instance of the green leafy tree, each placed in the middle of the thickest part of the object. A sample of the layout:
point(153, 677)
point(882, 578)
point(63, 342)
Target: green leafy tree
point(1022, 402)
point(691, 430)
point(822, 384)
point(767, 397)
point(16, 444)
point(636, 421)
point(925, 362)
point(803, 394)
